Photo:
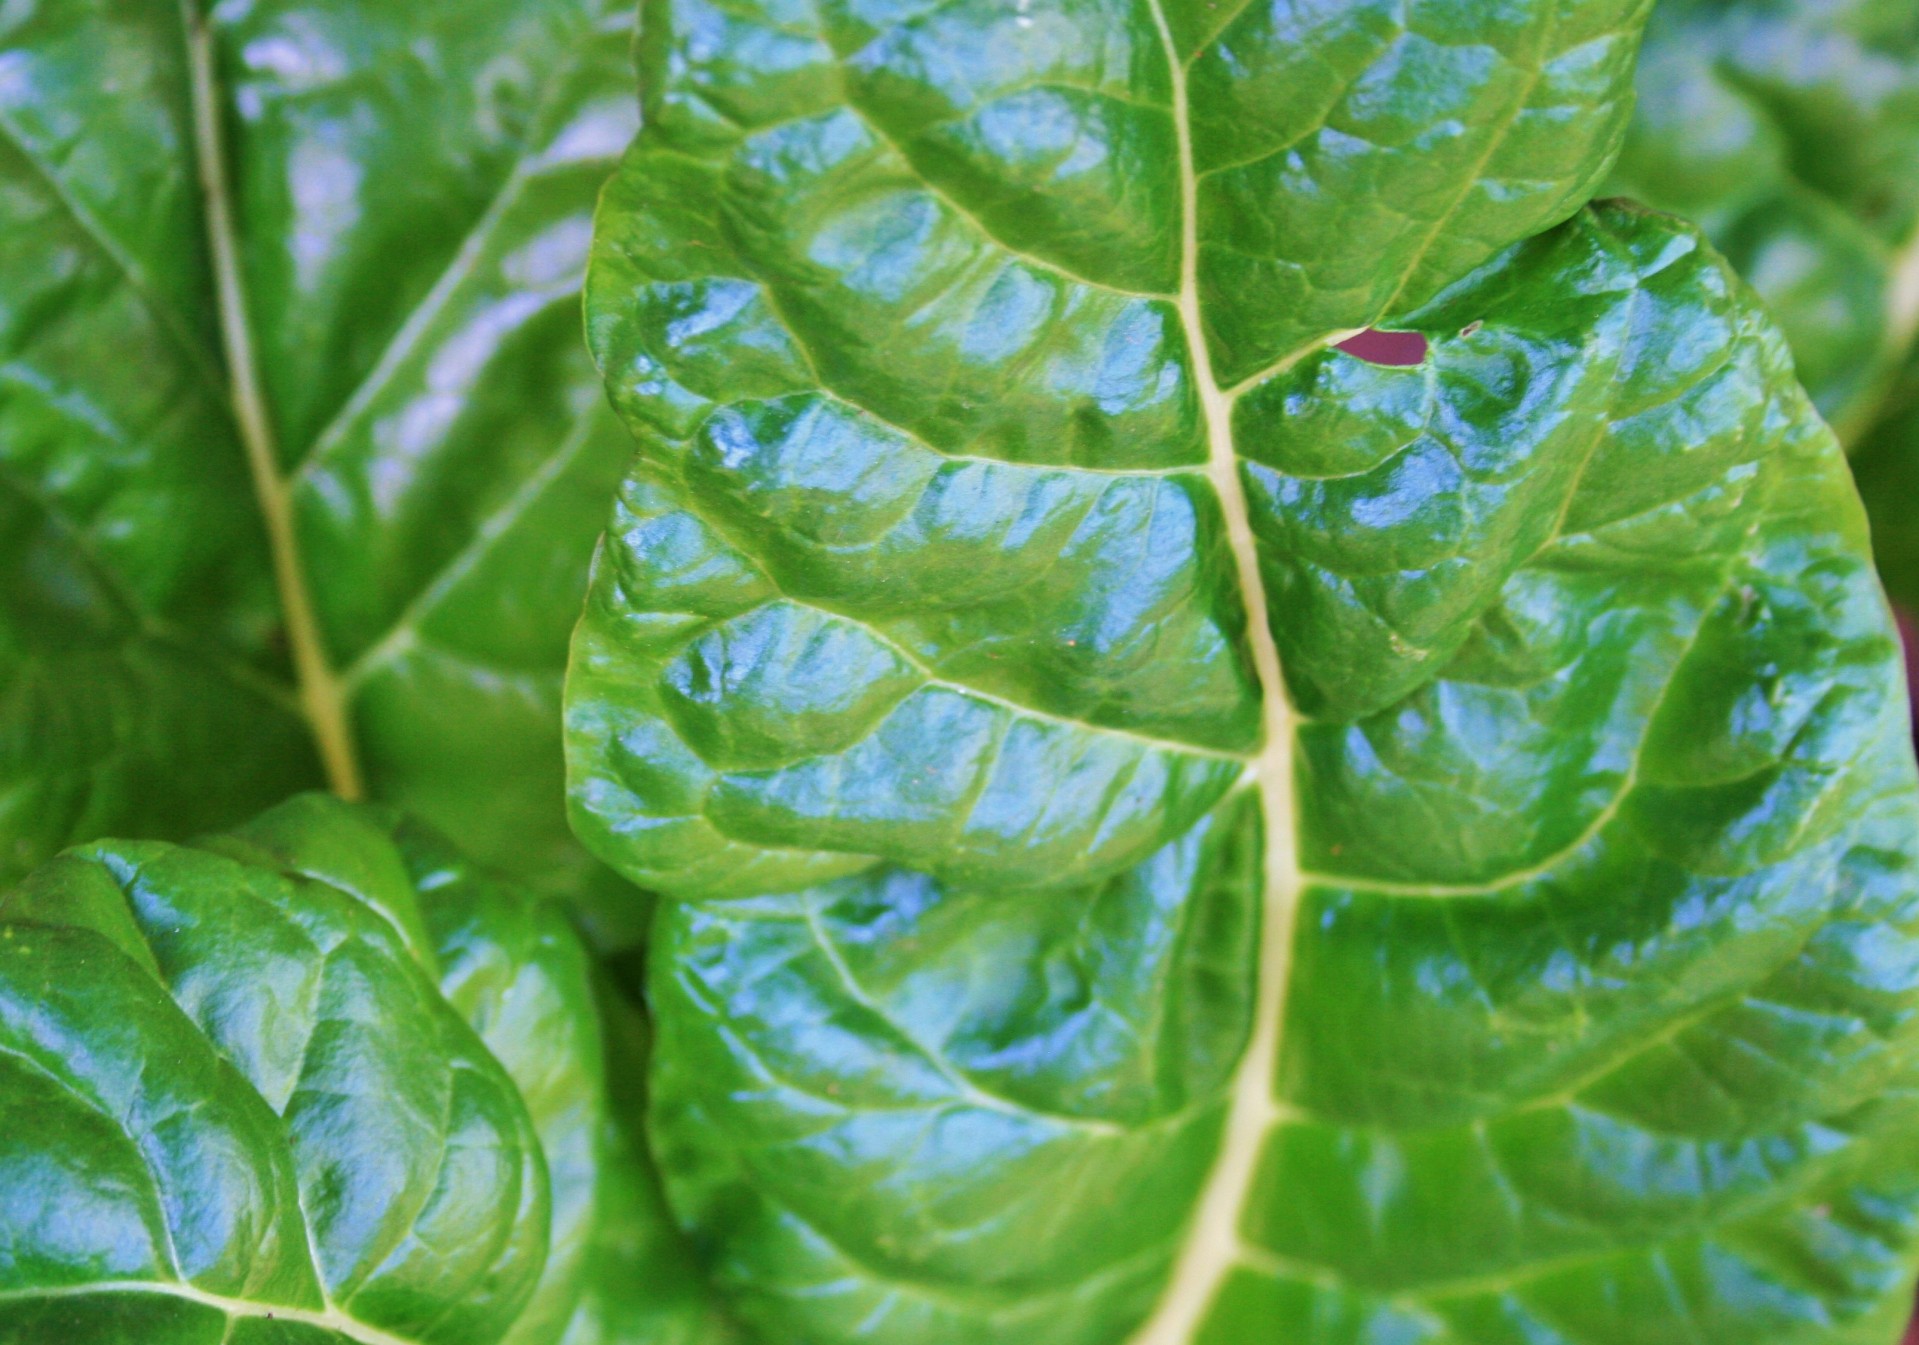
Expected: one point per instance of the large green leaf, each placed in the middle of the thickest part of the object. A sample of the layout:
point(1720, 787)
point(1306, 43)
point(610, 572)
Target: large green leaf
point(1182, 834)
point(1790, 130)
point(314, 1080)
point(291, 290)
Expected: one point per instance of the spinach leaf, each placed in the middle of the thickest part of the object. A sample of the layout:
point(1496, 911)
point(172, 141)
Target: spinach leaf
point(1790, 131)
point(1182, 834)
point(317, 1079)
point(300, 457)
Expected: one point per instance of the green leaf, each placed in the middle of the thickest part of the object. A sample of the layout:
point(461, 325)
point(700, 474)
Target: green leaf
point(300, 458)
point(1886, 464)
point(1790, 130)
point(318, 1079)
point(872, 1094)
point(642, 1285)
point(1010, 612)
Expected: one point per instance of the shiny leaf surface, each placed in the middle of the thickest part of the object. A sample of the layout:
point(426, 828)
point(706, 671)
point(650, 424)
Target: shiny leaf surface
point(315, 1080)
point(1790, 130)
point(298, 444)
point(1182, 835)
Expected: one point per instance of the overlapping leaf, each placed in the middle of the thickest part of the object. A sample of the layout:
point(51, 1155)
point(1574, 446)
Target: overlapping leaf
point(293, 284)
point(1010, 569)
point(870, 1092)
point(314, 1080)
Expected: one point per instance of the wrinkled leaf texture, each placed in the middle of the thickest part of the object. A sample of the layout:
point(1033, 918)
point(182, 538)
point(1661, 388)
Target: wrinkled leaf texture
point(317, 1081)
point(1180, 835)
point(403, 193)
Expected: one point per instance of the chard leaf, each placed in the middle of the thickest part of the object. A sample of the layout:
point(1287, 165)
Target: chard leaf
point(316, 1080)
point(300, 459)
point(1043, 665)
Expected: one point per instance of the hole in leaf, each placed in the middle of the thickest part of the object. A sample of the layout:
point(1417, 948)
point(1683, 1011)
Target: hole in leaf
point(1395, 350)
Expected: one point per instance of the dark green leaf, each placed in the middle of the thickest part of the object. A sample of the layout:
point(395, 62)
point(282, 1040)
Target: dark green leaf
point(999, 583)
point(314, 1080)
point(1887, 466)
point(641, 1284)
point(294, 283)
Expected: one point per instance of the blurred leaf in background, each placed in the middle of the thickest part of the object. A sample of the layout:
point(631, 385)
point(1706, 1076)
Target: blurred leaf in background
point(1886, 463)
point(301, 454)
point(1789, 129)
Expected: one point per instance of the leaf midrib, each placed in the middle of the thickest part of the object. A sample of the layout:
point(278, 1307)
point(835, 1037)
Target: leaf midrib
point(321, 693)
point(1213, 1245)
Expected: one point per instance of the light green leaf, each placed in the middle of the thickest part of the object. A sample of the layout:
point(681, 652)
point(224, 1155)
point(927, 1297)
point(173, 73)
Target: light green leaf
point(300, 458)
point(989, 561)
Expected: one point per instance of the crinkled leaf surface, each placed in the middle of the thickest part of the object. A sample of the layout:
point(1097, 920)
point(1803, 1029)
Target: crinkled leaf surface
point(1183, 834)
point(1790, 130)
point(294, 284)
point(316, 1080)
